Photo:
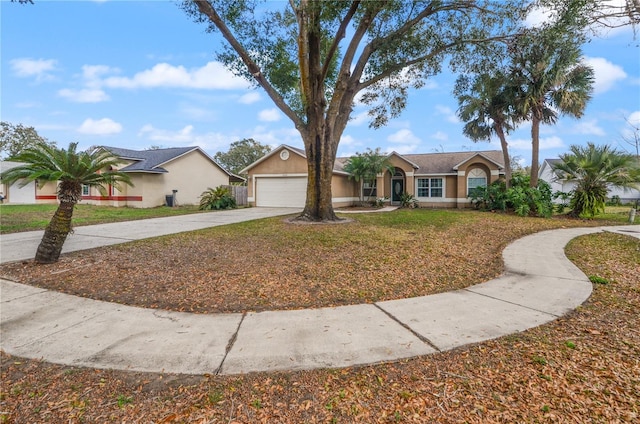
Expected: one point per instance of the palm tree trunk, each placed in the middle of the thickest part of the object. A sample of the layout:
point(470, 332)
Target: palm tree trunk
point(55, 234)
point(505, 155)
point(535, 150)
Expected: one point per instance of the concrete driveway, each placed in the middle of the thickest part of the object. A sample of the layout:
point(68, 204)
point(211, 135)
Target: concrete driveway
point(23, 246)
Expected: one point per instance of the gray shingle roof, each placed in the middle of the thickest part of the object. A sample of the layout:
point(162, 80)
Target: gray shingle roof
point(148, 160)
point(437, 163)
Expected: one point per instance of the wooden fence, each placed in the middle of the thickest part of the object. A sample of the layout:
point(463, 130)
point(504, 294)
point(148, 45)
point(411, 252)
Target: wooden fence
point(239, 193)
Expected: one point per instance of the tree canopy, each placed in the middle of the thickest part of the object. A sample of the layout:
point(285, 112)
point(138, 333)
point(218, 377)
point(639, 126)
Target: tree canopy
point(313, 57)
point(14, 139)
point(241, 154)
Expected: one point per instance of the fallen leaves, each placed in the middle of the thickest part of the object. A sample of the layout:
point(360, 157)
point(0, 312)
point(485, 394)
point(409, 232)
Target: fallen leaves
point(581, 368)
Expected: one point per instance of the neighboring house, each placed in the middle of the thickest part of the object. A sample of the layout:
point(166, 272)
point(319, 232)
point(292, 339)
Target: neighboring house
point(434, 179)
point(155, 175)
point(548, 174)
point(14, 193)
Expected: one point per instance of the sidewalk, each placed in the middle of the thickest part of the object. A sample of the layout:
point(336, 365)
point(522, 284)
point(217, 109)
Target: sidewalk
point(539, 285)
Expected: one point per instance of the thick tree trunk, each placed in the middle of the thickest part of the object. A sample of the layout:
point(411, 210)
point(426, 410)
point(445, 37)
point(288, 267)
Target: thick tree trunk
point(505, 155)
point(55, 234)
point(321, 155)
point(535, 150)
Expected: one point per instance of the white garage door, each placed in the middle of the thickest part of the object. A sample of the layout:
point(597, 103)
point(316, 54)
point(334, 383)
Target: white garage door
point(282, 192)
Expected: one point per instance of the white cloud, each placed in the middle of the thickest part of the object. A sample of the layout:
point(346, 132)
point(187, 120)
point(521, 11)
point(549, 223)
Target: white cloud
point(448, 113)
point(249, 98)
point(211, 76)
point(86, 95)
point(440, 136)
point(347, 140)
point(589, 128)
point(359, 119)
point(430, 85)
point(634, 118)
point(404, 140)
point(104, 126)
point(187, 136)
point(93, 73)
point(630, 130)
point(269, 115)
point(606, 73)
point(198, 113)
point(553, 142)
point(38, 68)
point(275, 136)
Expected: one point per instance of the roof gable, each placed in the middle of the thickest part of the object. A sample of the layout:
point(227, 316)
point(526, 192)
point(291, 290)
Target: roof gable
point(151, 161)
point(275, 151)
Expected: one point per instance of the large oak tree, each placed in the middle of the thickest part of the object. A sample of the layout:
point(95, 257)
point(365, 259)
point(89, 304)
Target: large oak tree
point(314, 57)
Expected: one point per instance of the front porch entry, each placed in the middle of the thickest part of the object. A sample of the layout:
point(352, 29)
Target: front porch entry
point(397, 186)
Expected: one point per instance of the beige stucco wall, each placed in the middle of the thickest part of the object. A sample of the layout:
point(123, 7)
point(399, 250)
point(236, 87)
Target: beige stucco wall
point(344, 192)
point(190, 174)
point(47, 193)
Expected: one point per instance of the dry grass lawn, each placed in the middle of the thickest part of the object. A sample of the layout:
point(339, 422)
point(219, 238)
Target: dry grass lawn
point(581, 368)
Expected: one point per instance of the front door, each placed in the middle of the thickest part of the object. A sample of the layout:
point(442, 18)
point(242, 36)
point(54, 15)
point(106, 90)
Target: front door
point(397, 189)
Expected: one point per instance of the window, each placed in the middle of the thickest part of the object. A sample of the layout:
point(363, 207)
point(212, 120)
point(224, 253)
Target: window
point(114, 191)
point(477, 178)
point(369, 189)
point(430, 187)
point(85, 190)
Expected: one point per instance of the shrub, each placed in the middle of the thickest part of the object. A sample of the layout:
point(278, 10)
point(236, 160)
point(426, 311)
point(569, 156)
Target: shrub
point(564, 200)
point(408, 201)
point(217, 198)
point(519, 198)
point(615, 201)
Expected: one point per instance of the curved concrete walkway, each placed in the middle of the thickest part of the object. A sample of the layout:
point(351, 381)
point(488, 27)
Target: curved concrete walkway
point(539, 285)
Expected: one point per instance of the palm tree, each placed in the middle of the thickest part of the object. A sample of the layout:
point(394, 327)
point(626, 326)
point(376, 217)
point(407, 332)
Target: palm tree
point(365, 167)
point(594, 169)
point(487, 108)
point(72, 170)
point(551, 81)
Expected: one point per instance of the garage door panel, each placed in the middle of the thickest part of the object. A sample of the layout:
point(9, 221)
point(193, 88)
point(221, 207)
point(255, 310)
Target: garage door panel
point(281, 192)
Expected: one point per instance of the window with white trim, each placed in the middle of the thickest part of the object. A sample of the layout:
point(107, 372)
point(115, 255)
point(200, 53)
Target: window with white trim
point(114, 191)
point(369, 188)
point(430, 187)
point(85, 190)
point(476, 178)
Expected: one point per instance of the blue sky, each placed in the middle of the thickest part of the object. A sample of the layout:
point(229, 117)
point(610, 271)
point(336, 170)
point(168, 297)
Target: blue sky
point(135, 74)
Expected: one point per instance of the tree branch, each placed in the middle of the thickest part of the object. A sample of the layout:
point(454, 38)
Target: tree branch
point(340, 34)
point(207, 9)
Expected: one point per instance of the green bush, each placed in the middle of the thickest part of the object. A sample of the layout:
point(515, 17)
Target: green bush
point(217, 198)
point(564, 200)
point(615, 201)
point(408, 201)
point(519, 198)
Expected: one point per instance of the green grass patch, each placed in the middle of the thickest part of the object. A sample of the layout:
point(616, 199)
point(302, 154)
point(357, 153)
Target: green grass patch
point(17, 218)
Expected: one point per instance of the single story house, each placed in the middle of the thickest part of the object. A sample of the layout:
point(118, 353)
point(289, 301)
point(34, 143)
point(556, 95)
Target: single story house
point(279, 178)
point(14, 193)
point(550, 175)
point(156, 174)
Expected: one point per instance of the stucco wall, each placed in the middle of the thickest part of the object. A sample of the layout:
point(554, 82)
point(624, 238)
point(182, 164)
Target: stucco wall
point(190, 174)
